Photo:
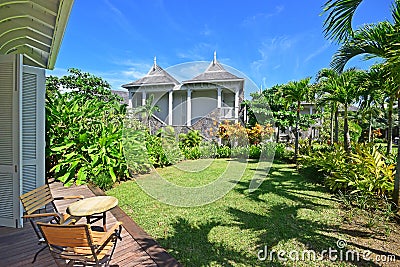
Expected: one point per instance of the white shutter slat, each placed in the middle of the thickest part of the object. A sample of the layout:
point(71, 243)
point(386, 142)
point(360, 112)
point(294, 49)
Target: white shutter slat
point(10, 212)
point(7, 203)
point(32, 116)
point(29, 107)
point(6, 111)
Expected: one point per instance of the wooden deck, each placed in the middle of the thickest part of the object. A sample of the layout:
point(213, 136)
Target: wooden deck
point(137, 248)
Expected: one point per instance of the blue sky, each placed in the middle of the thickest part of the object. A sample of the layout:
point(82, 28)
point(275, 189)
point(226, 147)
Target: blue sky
point(271, 41)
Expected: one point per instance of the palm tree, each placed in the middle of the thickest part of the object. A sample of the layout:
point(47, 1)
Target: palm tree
point(379, 88)
point(323, 77)
point(338, 23)
point(146, 111)
point(380, 40)
point(297, 91)
point(344, 88)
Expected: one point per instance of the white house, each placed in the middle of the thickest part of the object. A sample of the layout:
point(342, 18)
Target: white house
point(214, 94)
point(30, 36)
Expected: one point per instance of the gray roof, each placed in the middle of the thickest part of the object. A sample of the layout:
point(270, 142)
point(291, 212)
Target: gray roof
point(123, 94)
point(214, 72)
point(155, 76)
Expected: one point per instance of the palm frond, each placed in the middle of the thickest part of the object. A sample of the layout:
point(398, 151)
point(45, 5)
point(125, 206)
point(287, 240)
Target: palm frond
point(372, 40)
point(337, 25)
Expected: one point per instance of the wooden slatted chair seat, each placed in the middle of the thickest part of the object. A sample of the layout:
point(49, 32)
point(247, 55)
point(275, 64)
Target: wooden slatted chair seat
point(39, 206)
point(79, 244)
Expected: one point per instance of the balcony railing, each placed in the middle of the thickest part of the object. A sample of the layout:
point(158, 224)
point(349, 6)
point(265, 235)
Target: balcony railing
point(227, 113)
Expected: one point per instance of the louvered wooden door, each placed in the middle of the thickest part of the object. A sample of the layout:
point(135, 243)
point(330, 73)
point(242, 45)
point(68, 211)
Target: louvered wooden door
point(9, 140)
point(22, 118)
point(33, 128)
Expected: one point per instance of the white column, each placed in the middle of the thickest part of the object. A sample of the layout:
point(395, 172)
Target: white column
point(170, 102)
point(311, 110)
point(236, 106)
point(130, 94)
point(219, 98)
point(143, 98)
point(189, 108)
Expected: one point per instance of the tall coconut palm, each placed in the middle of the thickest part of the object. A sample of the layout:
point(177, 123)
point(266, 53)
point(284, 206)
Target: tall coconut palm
point(297, 91)
point(344, 88)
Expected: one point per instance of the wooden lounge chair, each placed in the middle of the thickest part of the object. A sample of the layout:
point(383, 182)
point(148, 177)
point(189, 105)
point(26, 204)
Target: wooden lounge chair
point(39, 206)
point(72, 244)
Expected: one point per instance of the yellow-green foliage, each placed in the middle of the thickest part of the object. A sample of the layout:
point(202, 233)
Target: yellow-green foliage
point(364, 170)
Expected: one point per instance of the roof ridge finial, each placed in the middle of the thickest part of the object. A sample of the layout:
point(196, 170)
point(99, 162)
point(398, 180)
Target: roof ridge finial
point(215, 57)
point(155, 63)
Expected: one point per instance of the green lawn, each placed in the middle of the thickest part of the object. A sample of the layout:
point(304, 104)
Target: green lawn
point(287, 212)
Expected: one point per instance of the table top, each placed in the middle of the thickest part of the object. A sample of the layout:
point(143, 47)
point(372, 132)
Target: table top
point(92, 205)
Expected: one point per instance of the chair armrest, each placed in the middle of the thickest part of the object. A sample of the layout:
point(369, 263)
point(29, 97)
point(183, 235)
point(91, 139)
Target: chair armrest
point(69, 197)
point(110, 233)
point(38, 215)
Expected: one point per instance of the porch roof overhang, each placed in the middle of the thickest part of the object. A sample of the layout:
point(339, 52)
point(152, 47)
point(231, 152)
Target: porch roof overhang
point(34, 28)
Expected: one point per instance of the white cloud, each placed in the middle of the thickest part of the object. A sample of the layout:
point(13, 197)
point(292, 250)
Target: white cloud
point(206, 31)
point(272, 49)
point(133, 73)
point(317, 52)
point(257, 18)
point(197, 52)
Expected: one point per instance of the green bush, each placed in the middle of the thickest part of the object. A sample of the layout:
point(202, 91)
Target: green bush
point(162, 149)
point(223, 152)
point(254, 152)
point(103, 181)
point(204, 150)
point(191, 139)
point(134, 143)
point(83, 130)
point(364, 171)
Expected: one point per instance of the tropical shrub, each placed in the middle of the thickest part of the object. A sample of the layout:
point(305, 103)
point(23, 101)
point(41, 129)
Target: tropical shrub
point(223, 152)
point(162, 148)
point(254, 152)
point(83, 129)
point(280, 150)
point(364, 171)
point(191, 139)
point(237, 135)
point(134, 139)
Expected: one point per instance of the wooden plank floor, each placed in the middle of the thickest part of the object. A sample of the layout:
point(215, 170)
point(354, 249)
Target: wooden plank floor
point(137, 248)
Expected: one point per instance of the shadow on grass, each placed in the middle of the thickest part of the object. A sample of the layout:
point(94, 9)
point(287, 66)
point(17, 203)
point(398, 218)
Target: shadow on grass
point(191, 246)
point(282, 222)
point(279, 223)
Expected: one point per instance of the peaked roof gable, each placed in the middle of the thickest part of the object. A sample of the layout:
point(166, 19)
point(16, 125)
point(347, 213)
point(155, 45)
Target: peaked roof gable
point(155, 76)
point(214, 72)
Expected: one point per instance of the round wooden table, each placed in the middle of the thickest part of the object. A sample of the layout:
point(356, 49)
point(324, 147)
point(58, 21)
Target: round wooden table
point(90, 207)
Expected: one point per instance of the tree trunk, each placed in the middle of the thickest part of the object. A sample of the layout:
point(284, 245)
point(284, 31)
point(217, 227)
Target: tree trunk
point(331, 125)
point(370, 128)
point(390, 127)
point(347, 145)
point(336, 139)
point(396, 192)
point(277, 134)
point(296, 141)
